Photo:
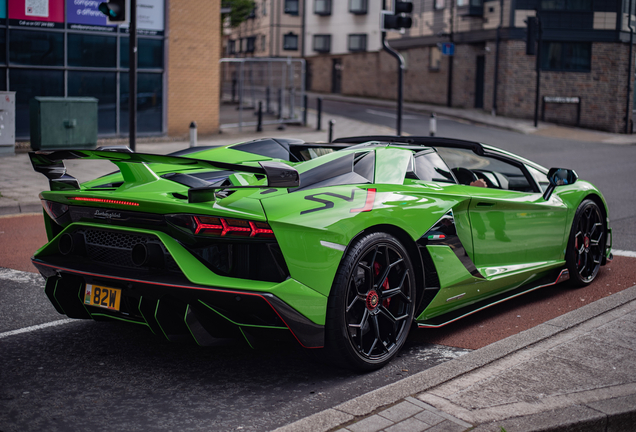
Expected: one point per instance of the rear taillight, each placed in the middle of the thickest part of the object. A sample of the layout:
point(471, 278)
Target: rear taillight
point(53, 209)
point(221, 227)
point(104, 201)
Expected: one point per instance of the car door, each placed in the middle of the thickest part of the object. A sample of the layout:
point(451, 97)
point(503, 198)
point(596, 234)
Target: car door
point(512, 225)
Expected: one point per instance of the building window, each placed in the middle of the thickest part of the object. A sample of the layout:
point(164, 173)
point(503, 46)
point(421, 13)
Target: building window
point(358, 7)
point(476, 8)
point(92, 50)
point(570, 5)
point(357, 42)
point(149, 53)
point(439, 4)
point(322, 7)
point(566, 56)
point(252, 14)
point(291, 7)
point(251, 42)
point(290, 42)
point(103, 86)
point(36, 48)
point(263, 43)
point(322, 43)
point(264, 8)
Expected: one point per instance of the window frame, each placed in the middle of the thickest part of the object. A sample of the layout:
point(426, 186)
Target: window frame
point(563, 57)
point(324, 50)
point(353, 35)
point(590, 7)
point(292, 11)
point(362, 10)
point(288, 36)
point(326, 11)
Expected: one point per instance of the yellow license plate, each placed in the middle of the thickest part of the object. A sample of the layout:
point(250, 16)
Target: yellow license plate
point(101, 296)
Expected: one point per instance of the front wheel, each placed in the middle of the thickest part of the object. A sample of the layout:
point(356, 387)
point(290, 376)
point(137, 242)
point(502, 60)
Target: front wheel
point(586, 245)
point(371, 303)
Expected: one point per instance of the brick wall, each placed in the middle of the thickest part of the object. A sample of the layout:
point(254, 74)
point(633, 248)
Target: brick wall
point(320, 69)
point(603, 90)
point(194, 45)
point(464, 74)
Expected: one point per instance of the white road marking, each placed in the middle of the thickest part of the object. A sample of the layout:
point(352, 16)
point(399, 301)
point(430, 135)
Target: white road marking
point(619, 252)
point(18, 276)
point(391, 115)
point(35, 327)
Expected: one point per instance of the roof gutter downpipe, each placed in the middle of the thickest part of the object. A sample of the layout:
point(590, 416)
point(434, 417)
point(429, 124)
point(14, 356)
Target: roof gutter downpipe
point(629, 68)
point(498, 43)
point(400, 59)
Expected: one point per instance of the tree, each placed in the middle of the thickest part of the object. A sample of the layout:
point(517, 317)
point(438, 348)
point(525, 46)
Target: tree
point(239, 10)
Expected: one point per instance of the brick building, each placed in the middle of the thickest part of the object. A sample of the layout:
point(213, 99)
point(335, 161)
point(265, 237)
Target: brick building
point(273, 29)
point(66, 48)
point(585, 54)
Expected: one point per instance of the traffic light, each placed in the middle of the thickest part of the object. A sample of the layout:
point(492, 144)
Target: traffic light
point(399, 18)
point(115, 10)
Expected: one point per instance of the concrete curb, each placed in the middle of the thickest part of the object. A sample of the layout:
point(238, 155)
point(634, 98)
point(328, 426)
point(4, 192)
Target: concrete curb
point(20, 207)
point(505, 123)
point(571, 418)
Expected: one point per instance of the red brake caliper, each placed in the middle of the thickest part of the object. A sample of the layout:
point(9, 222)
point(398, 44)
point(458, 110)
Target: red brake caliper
point(385, 285)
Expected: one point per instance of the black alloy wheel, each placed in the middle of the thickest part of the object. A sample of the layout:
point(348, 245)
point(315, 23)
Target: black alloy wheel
point(371, 303)
point(586, 244)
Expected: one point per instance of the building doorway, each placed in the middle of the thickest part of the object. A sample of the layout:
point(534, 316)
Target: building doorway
point(336, 76)
point(479, 81)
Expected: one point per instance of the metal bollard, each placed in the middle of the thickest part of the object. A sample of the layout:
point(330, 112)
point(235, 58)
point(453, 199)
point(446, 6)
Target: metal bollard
point(331, 123)
point(259, 125)
point(280, 103)
point(267, 107)
point(305, 110)
point(319, 120)
point(432, 125)
point(193, 134)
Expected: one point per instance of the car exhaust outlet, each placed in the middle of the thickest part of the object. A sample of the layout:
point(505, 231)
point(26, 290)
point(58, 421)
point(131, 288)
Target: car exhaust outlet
point(139, 254)
point(65, 245)
point(148, 254)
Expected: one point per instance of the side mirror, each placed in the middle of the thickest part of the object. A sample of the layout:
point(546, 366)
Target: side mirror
point(559, 177)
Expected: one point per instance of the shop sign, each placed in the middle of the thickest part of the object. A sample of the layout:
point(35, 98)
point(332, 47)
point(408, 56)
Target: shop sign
point(150, 18)
point(85, 15)
point(37, 13)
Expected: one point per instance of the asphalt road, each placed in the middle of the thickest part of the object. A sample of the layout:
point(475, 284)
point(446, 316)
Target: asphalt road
point(608, 166)
point(86, 375)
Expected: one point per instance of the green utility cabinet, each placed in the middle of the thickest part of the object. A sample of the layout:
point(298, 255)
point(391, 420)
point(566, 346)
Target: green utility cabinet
point(58, 122)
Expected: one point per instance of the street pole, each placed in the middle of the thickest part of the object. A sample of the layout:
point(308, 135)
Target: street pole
point(449, 90)
point(132, 77)
point(400, 59)
point(538, 67)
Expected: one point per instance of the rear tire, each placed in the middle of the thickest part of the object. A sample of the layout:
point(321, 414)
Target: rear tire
point(586, 244)
point(371, 304)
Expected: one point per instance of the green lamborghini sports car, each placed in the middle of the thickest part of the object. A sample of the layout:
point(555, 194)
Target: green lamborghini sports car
point(343, 246)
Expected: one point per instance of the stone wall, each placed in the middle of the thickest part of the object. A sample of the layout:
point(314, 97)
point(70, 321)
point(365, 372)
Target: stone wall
point(603, 89)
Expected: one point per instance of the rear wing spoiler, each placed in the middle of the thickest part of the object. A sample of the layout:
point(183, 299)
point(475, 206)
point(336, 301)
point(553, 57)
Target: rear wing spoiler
point(134, 169)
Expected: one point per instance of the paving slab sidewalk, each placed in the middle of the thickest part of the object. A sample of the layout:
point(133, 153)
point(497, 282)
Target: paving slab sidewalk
point(572, 373)
point(20, 185)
